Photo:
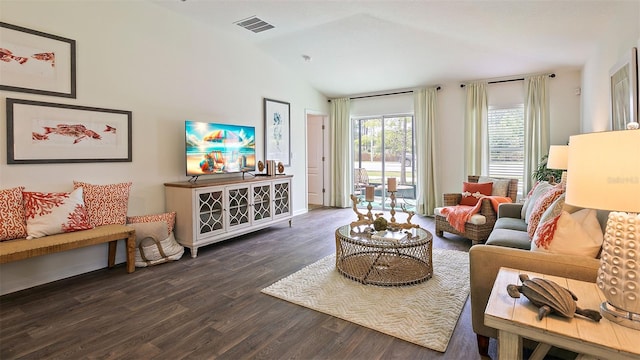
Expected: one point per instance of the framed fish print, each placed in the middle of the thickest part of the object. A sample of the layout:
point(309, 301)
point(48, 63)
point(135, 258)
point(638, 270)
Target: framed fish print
point(277, 127)
point(43, 133)
point(36, 62)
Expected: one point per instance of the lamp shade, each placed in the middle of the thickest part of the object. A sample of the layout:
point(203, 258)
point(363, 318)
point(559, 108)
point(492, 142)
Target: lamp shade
point(558, 157)
point(604, 171)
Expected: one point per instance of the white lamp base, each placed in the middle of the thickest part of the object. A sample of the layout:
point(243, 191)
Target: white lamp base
point(619, 270)
point(619, 316)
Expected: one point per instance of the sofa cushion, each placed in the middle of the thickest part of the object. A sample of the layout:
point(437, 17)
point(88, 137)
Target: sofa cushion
point(573, 234)
point(471, 192)
point(509, 238)
point(54, 213)
point(13, 225)
point(475, 219)
point(511, 224)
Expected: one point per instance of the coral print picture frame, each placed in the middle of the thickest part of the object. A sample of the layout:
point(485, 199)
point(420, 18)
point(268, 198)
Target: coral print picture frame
point(36, 62)
point(277, 128)
point(42, 133)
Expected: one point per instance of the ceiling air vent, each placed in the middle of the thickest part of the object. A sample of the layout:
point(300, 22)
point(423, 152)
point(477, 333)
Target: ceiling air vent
point(254, 24)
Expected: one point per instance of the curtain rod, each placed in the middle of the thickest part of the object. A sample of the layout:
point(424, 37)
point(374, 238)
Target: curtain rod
point(510, 80)
point(395, 93)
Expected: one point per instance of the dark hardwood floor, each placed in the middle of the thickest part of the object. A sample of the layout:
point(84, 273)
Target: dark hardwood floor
point(209, 307)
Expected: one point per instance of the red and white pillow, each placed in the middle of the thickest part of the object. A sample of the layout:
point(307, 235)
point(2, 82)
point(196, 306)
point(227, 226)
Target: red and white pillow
point(12, 225)
point(541, 206)
point(169, 218)
point(54, 213)
point(472, 192)
point(106, 204)
point(578, 233)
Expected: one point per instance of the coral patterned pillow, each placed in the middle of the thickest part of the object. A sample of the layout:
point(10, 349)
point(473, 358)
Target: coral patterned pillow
point(548, 222)
point(12, 224)
point(575, 234)
point(54, 213)
point(169, 218)
point(471, 192)
point(540, 207)
point(106, 204)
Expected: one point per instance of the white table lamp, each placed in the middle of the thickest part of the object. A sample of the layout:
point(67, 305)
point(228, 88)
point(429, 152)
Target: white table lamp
point(559, 160)
point(604, 173)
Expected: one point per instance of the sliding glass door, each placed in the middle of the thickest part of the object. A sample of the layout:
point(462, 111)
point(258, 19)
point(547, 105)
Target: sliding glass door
point(383, 147)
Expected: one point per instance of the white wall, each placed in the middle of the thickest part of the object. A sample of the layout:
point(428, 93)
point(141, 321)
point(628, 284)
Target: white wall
point(138, 56)
point(614, 44)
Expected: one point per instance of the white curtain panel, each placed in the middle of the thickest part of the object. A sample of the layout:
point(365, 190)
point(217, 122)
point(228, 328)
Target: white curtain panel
point(476, 145)
point(341, 172)
point(536, 125)
point(425, 119)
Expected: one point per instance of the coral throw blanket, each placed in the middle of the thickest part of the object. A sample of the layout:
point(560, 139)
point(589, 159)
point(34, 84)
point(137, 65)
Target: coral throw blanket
point(458, 215)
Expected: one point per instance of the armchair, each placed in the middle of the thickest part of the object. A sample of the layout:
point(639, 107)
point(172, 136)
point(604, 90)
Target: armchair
point(360, 180)
point(478, 228)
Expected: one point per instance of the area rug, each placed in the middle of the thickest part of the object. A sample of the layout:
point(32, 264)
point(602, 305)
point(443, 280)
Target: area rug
point(424, 314)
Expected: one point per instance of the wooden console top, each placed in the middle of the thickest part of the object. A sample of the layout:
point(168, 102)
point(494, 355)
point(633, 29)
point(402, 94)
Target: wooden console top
point(224, 181)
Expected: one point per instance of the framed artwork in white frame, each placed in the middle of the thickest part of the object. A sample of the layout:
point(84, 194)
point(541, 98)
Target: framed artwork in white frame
point(277, 128)
point(624, 91)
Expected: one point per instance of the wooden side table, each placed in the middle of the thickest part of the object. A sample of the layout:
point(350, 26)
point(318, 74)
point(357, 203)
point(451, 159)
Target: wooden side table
point(517, 318)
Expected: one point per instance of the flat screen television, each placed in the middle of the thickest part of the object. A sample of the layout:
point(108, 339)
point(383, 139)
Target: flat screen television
point(213, 148)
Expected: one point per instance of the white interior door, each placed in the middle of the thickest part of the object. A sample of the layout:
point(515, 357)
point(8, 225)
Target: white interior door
point(316, 160)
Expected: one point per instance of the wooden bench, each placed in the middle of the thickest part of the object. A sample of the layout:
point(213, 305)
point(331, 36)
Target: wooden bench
point(19, 249)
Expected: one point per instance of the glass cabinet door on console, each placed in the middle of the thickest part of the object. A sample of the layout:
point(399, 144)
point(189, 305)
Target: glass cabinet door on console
point(210, 212)
point(238, 206)
point(281, 198)
point(261, 203)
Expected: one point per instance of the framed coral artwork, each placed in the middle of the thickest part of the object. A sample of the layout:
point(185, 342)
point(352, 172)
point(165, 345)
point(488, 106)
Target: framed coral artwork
point(40, 132)
point(277, 127)
point(36, 62)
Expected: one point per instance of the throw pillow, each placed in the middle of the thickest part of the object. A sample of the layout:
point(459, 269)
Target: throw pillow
point(575, 234)
point(169, 218)
point(540, 189)
point(471, 192)
point(500, 186)
point(106, 204)
point(54, 213)
point(541, 206)
point(13, 225)
point(548, 221)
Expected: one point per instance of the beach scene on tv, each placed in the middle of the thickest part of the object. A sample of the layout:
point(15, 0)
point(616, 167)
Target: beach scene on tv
point(219, 148)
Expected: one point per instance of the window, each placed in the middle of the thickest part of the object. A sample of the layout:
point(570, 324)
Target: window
point(506, 142)
point(383, 148)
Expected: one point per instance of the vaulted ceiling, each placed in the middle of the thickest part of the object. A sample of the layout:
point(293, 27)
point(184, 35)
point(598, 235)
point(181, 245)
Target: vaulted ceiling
point(360, 47)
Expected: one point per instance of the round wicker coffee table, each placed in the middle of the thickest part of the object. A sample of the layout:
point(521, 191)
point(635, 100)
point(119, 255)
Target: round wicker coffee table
point(384, 262)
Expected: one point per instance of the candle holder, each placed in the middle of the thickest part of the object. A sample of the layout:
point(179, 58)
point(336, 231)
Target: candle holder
point(363, 219)
point(367, 219)
point(393, 205)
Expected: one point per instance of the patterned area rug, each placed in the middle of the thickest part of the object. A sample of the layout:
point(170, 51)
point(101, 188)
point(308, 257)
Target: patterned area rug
point(424, 314)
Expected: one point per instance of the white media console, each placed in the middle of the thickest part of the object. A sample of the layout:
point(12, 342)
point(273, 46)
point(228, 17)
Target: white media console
point(216, 210)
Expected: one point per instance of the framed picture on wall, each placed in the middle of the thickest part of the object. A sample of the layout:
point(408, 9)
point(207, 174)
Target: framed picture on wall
point(36, 62)
point(277, 127)
point(43, 133)
point(624, 91)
